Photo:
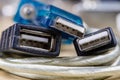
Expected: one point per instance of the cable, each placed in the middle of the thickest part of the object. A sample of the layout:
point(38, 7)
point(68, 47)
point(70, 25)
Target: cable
point(73, 61)
point(64, 68)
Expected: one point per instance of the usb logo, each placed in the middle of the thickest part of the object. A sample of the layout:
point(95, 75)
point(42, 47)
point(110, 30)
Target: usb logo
point(32, 40)
point(95, 43)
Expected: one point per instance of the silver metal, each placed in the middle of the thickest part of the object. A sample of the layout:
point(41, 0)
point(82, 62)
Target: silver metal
point(69, 27)
point(94, 41)
point(28, 12)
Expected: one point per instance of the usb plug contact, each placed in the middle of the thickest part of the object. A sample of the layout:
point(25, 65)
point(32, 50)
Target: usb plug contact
point(69, 27)
point(32, 40)
point(95, 43)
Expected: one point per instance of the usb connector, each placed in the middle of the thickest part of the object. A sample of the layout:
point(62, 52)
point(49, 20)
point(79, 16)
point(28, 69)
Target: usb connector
point(36, 40)
point(69, 27)
point(31, 40)
point(96, 42)
point(49, 16)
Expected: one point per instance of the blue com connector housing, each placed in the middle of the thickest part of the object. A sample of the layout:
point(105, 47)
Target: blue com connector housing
point(37, 13)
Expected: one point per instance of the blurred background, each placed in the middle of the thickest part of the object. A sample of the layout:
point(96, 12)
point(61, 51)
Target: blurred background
point(96, 13)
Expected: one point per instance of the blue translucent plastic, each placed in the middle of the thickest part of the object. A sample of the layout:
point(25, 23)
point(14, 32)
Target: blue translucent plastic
point(46, 15)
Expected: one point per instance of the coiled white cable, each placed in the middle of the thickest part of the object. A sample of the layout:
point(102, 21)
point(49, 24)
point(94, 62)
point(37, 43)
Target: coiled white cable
point(72, 68)
point(74, 61)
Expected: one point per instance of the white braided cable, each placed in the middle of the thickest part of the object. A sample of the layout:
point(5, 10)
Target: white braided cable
point(72, 68)
point(74, 61)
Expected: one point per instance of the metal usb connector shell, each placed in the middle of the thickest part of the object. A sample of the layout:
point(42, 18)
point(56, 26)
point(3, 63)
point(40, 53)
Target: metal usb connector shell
point(96, 42)
point(68, 27)
point(31, 40)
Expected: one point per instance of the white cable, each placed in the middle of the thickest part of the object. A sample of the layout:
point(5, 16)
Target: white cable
point(75, 61)
point(59, 71)
point(73, 68)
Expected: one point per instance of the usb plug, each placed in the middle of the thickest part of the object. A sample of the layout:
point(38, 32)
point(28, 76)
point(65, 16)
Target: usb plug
point(96, 42)
point(37, 13)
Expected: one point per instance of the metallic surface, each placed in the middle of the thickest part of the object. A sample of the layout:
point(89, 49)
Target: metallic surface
point(28, 12)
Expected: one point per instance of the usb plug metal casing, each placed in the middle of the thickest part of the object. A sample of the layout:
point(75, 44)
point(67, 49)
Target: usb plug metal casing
point(31, 40)
point(37, 13)
point(96, 42)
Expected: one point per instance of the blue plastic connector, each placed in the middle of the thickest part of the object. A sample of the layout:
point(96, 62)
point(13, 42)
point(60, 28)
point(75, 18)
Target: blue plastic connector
point(37, 13)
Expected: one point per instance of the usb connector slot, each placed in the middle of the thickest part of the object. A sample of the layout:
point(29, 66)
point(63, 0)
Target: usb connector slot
point(32, 40)
point(36, 40)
